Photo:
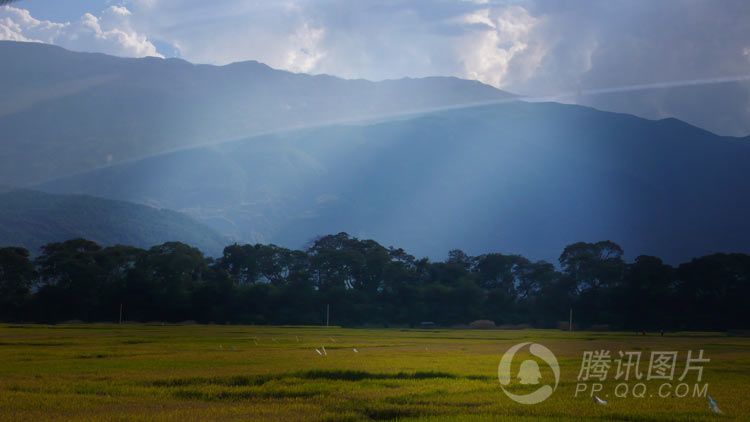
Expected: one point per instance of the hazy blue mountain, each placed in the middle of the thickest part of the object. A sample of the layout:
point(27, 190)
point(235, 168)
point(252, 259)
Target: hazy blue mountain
point(517, 177)
point(32, 219)
point(63, 112)
point(722, 108)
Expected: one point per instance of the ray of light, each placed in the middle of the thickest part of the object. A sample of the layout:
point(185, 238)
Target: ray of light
point(638, 87)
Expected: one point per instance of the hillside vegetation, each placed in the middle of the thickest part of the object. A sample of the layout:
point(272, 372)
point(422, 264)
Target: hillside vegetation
point(32, 219)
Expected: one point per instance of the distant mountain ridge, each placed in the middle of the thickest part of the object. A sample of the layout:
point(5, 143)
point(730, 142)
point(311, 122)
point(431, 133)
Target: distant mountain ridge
point(720, 107)
point(517, 177)
point(32, 219)
point(63, 112)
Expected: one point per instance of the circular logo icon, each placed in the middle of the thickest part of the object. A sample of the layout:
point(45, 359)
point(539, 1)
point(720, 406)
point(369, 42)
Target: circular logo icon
point(528, 373)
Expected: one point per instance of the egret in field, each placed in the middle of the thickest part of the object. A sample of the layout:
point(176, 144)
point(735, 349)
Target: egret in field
point(713, 406)
point(599, 401)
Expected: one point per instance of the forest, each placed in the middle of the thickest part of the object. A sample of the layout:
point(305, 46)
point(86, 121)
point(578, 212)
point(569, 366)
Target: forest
point(362, 283)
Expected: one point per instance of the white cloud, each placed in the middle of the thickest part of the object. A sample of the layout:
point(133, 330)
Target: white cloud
point(119, 10)
point(18, 25)
point(110, 32)
point(305, 51)
point(502, 36)
point(278, 33)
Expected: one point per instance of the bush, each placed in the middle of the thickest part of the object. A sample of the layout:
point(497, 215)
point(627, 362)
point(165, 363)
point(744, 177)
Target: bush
point(482, 324)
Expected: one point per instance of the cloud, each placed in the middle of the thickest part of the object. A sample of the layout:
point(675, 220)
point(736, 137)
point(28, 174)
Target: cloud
point(18, 25)
point(306, 52)
point(535, 47)
point(110, 32)
point(594, 45)
point(277, 33)
point(500, 37)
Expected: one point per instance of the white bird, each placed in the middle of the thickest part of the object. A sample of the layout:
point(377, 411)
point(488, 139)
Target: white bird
point(319, 352)
point(332, 339)
point(599, 401)
point(712, 405)
point(324, 351)
point(355, 350)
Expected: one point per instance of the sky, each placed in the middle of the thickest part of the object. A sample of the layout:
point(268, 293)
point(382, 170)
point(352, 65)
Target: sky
point(531, 47)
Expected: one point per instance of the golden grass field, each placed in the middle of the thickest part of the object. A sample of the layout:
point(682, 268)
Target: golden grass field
point(193, 372)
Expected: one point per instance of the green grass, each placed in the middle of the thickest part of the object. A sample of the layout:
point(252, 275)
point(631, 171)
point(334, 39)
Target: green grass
point(152, 372)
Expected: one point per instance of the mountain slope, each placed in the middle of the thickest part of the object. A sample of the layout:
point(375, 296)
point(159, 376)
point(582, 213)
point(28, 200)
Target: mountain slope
point(720, 107)
point(32, 219)
point(63, 112)
point(518, 177)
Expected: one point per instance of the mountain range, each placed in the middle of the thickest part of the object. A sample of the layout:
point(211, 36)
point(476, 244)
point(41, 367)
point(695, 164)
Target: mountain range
point(254, 154)
point(518, 177)
point(63, 112)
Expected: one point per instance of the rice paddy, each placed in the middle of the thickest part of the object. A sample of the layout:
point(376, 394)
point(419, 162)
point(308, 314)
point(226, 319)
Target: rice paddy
point(194, 372)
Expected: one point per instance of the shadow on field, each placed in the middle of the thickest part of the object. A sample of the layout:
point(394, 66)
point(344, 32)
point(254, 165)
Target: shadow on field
point(296, 385)
point(347, 375)
point(333, 375)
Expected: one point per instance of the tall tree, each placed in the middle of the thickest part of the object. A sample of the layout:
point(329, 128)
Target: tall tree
point(593, 269)
point(714, 291)
point(167, 277)
point(643, 299)
point(16, 278)
point(69, 278)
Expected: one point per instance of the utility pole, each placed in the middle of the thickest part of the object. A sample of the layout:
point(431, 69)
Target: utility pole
point(570, 322)
point(121, 314)
point(328, 314)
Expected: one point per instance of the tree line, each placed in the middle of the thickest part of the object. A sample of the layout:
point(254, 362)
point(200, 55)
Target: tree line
point(366, 283)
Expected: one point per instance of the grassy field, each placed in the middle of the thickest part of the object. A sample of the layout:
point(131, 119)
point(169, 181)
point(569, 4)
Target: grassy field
point(151, 372)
